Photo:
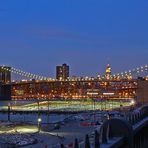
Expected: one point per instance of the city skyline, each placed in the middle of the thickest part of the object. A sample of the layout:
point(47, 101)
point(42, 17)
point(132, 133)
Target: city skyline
point(36, 37)
point(73, 73)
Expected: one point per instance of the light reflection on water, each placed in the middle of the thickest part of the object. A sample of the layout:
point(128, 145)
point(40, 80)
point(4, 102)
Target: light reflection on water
point(34, 117)
point(56, 106)
point(5, 103)
point(51, 118)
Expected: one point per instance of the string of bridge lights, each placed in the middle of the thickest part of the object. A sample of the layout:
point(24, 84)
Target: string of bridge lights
point(132, 72)
point(25, 74)
point(37, 77)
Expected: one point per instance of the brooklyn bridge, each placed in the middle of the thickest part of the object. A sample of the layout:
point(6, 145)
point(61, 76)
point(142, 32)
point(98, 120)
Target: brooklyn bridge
point(129, 87)
point(122, 86)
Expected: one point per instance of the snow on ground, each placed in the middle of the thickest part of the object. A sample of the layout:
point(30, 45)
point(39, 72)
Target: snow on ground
point(64, 130)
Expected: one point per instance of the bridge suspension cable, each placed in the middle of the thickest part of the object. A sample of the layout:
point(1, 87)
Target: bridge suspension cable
point(25, 74)
point(123, 75)
point(132, 72)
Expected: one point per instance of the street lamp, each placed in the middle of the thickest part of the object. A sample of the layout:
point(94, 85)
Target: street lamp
point(48, 112)
point(9, 111)
point(39, 124)
point(132, 102)
point(38, 105)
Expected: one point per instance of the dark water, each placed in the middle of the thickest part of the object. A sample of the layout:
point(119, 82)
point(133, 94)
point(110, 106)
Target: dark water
point(5, 103)
point(33, 118)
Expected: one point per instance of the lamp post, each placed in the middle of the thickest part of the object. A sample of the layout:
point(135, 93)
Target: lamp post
point(9, 111)
point(39, 124)
point(94, 103)
point(48, 112)
point(38, 104)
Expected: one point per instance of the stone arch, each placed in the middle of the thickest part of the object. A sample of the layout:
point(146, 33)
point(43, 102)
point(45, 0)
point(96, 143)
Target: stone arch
point(118, 128)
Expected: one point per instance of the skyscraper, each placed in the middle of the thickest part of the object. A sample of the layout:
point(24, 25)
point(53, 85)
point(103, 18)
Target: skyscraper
point(108, 72)
point(62, 72)
point(5, 74)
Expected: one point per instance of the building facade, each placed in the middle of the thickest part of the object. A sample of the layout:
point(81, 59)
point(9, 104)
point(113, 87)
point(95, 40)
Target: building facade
point(142, 92)
point(62, 72)
point(108, 72)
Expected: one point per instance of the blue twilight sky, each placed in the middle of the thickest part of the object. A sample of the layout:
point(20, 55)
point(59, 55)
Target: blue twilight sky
point(37, 35)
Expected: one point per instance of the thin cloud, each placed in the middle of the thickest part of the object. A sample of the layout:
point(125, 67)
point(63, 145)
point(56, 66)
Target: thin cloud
point(51, 33)
point(7, 45)
point(55, 33)
point(67, 35)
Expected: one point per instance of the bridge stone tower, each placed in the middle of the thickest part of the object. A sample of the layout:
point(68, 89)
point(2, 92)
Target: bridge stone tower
point(5, 74)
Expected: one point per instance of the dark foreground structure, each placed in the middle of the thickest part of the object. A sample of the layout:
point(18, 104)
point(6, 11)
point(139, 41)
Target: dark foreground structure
point(5, 92)
point(129, 132)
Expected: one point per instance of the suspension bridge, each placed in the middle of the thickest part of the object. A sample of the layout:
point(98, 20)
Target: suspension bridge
point(117, 86)
point(114, 91)
point(122, 75)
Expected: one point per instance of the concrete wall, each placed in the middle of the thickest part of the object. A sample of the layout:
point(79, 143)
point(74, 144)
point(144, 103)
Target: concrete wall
point(142, 92)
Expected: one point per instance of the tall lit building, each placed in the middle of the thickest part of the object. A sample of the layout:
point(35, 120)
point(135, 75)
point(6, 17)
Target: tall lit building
point(62, 72)
point(108, 72)
point(5, 74)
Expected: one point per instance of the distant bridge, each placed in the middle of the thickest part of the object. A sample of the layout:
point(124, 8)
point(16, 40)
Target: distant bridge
point(122, 75)
point(121, 85)
point(74, 89)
